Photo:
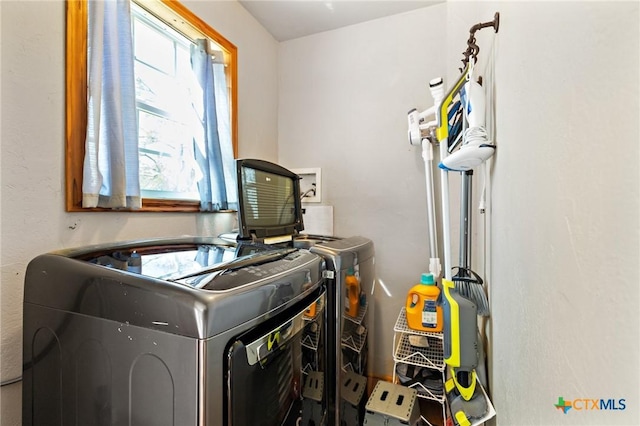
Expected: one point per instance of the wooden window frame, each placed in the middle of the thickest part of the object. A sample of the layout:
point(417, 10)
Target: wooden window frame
point(178, 17)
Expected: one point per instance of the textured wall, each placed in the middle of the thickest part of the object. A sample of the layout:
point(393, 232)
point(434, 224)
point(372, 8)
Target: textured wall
point(343, 100)
point(33, 218)
point(564, 230)
point(563, 227)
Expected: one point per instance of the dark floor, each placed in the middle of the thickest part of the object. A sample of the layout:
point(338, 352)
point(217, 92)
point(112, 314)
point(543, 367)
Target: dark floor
point(432, 411)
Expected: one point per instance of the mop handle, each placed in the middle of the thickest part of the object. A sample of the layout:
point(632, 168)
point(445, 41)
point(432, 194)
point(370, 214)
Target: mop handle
point(442, 134)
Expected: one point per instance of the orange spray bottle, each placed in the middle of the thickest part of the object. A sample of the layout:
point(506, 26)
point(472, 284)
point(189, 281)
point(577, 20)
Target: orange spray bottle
point(423, 312)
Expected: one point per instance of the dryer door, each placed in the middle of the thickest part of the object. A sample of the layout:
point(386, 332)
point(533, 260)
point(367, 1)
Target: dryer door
point(264, 371)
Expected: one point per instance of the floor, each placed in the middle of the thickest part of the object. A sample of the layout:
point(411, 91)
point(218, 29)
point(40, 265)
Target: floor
point(432, 411)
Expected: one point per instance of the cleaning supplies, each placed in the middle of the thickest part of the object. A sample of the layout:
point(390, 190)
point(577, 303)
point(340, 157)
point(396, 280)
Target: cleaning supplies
point(467, 399)
point(352, 296)
point(423, 312)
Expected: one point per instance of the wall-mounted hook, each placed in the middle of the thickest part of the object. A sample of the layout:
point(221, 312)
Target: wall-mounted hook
point(472, 47)
point(495, 24)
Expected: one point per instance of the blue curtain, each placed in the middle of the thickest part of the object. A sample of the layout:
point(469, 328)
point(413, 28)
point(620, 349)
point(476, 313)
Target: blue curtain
point(214, 153)
point(110, 176)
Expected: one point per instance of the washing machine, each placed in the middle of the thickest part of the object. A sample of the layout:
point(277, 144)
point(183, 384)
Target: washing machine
point(350, 332)
point(184, 331)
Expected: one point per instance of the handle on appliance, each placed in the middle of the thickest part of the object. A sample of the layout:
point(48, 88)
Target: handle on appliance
point(260, 349)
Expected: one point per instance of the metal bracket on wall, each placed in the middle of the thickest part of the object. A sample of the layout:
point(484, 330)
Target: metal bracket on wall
point(472, 47)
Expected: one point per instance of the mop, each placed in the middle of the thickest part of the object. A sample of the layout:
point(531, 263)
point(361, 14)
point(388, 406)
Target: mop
point(468, 283)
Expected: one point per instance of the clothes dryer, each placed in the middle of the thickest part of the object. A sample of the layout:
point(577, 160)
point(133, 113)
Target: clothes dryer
point(349, 336)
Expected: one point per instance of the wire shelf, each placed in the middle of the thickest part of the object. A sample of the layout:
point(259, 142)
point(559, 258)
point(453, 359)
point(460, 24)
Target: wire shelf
point(402, 327)
point(362, 311)
point(426, 393)
point(350, 337)
point(307, 368)
point(311, 338)
point(430, 356)
point(348, 368)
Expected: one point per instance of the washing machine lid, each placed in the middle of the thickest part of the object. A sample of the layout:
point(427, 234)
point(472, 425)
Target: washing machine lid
point(195, 287)
point(190, 263)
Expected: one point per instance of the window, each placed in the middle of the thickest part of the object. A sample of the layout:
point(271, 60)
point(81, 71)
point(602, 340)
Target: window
point(163, 32)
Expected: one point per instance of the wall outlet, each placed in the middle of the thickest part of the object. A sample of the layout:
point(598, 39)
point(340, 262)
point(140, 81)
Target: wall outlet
point(310, 178)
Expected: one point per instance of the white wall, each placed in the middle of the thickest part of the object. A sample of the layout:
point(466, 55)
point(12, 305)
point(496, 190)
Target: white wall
point(566, 209)
point(565, 231)
point(343, 100)
point(564, 222)
point(32, 197)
